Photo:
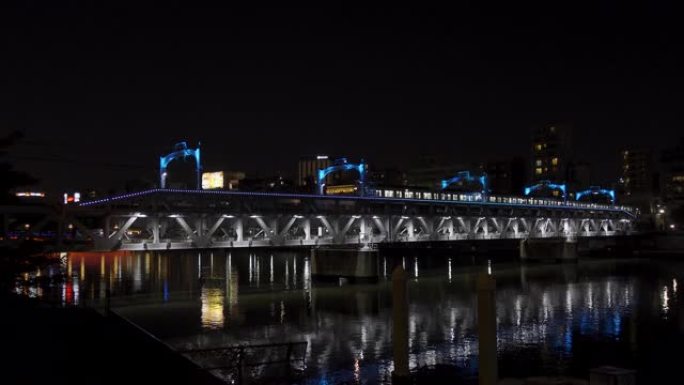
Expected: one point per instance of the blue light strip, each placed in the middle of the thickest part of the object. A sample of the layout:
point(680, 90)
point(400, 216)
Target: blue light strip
point(547, 184)
point(359, 167)
point(465, 175)
point(565, 205)
point(182, 153)
point(596, 190)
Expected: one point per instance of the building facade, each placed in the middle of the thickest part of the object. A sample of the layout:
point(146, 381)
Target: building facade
point(307, 170)
point(506, 177)
point(637, 174)
point(551, 153)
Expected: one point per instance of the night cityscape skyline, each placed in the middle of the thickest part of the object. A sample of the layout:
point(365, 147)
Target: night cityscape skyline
point(285, 83)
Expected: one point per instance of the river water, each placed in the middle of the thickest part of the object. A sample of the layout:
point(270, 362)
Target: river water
point(560, 319)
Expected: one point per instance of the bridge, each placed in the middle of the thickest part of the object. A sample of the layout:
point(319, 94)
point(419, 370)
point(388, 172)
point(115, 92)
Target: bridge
point(170, 219)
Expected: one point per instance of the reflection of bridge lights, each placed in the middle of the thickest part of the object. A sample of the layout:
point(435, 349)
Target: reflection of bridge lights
point(665, 301)
point(449, 270)
point(212, 308)
point(415, 267)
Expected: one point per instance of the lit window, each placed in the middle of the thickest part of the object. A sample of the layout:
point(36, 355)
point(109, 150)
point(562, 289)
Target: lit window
point(538, 171)
point(552, 128)
point(538, 147)
point(538, 162)
point(554, 161)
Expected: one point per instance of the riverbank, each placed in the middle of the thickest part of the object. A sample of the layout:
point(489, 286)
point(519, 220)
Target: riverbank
point(49, 344)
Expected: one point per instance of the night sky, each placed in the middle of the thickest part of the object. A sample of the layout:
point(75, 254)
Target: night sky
point(101, 93)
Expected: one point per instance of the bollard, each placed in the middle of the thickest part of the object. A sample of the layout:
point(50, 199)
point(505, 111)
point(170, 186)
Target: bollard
point(486, 323)
point(400, 325)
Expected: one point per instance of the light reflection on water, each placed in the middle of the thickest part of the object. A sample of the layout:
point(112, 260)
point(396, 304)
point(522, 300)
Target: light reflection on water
point(199, 300)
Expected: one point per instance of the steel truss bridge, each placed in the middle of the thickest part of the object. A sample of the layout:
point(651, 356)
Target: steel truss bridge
point(163, 219)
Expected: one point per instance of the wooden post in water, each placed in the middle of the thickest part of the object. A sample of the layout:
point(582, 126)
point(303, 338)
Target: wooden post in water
point(486, 323)
point(400, 325)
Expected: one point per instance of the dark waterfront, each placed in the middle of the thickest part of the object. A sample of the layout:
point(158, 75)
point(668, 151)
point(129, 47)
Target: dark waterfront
point(552, 319)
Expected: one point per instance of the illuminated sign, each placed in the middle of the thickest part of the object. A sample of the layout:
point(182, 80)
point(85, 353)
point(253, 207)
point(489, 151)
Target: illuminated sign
point(212, 180)
point(72, 198)
point(322, 157)
point(341, 189)
point(32, 194)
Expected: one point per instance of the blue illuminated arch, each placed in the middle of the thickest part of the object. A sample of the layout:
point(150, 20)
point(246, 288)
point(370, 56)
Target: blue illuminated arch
point(465, 176)
point(181, 151)
point(342, 165)
point(596, 190)
point(547, 184)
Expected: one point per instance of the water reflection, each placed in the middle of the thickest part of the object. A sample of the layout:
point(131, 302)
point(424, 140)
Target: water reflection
point(552, 310)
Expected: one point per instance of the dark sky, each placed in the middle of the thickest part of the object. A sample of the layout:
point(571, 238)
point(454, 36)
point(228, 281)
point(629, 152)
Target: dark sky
point(102, 92)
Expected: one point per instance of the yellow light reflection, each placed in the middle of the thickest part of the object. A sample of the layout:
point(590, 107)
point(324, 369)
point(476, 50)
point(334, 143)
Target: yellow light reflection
point(212, 308)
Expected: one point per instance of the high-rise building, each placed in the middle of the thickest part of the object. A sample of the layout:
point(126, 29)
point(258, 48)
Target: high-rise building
point(638, 174)
point(506, 177)
point(551, 152)
point(579, 176)
point(638, 185)
point(307, 170)
point(673, 173)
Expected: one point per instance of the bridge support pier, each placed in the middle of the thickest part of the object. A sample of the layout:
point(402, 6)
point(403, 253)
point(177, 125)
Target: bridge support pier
point(559, 249)
point(353, 264)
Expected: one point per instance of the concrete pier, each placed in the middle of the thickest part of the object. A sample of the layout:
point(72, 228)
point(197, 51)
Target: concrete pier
point(558, 249)
point(353, 264)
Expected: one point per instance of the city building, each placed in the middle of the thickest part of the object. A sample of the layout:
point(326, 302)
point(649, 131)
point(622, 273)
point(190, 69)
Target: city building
point(430, 171)
point(672, 165)
point(232, 179)
point(506, 177)
point(271, 183)
point(387, 177)
point(579, 176)
point(551, 153)
point(637, 174)
point(638, 185)
point(672, 162)
point(307, 171)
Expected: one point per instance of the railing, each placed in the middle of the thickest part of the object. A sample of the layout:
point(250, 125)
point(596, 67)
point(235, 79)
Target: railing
point(478, 197)
point(232, 362)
